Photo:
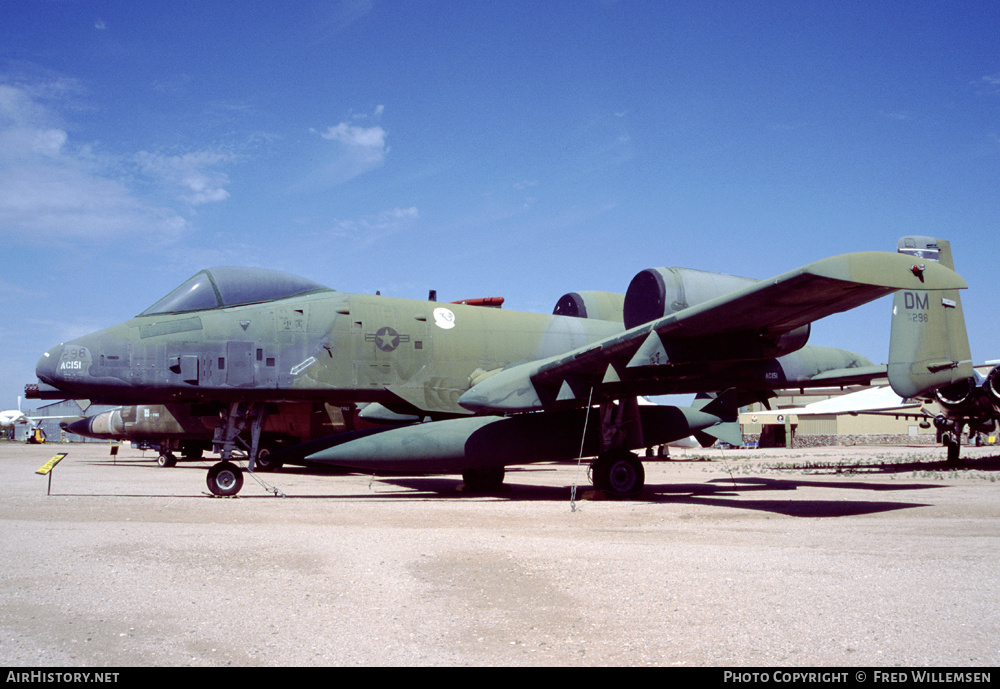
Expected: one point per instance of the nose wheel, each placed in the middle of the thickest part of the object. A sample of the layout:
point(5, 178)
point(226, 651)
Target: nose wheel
point(224, 479)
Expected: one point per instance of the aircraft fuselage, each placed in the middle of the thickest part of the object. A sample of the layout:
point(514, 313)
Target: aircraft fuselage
point(332, 346)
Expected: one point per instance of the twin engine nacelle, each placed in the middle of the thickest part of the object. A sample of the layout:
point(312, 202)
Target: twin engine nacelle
point(965, 395)
point(658, 292)
point(652, 294)
point(601, 306)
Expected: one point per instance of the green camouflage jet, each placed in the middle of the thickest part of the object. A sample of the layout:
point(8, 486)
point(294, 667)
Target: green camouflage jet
point(498, 387)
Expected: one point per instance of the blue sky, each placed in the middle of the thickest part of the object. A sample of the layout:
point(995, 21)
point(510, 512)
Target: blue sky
point(518, 149)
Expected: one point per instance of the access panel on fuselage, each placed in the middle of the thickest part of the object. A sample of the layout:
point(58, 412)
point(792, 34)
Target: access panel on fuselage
point(390, 340)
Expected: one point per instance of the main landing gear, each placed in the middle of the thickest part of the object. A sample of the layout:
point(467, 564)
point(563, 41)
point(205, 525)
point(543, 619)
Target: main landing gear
point(226, 478)
point(950, 435)
point(616, 471)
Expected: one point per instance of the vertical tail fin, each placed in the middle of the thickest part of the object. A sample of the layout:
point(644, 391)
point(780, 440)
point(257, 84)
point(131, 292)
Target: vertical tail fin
point(928, 343)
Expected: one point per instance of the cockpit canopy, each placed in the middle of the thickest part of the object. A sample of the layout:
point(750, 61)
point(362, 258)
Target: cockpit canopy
point(229, 286)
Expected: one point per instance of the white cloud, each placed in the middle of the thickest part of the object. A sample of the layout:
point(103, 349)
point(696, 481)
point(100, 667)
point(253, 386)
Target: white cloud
point(190, 172)
point(990, 84)
point(370, 229)
point(367, 143)
point(53, 190)
point(25, 142)
point(358, 150)
point(61, 201)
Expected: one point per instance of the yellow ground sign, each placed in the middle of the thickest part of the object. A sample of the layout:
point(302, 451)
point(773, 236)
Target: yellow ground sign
point(50, 465)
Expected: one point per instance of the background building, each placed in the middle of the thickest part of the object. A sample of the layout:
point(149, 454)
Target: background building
point(71, 410)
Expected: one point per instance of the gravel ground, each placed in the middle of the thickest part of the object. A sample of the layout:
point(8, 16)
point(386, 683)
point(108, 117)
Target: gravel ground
point(862, 556)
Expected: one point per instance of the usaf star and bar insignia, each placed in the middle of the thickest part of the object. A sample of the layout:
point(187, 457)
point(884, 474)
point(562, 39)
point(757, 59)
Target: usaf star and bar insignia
point(386, 339)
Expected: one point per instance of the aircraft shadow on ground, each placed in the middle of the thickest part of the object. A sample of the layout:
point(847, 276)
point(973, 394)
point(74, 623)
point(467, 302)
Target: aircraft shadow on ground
point(715, 492)
point(732, 492)
point(726, 492)
point(940, 466)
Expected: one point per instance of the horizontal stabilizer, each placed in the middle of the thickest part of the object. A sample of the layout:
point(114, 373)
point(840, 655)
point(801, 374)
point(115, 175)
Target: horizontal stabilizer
point(729, 432)
point(851, 376)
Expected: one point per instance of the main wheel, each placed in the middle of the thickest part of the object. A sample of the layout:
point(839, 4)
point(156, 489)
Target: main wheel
point(224, 479)
point(483, 480)
point(167, 459)
point(954, 449)
point(262, 463)
point(618, 472)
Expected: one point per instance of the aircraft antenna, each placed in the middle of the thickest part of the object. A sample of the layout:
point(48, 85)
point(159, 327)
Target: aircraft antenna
point(579, 459)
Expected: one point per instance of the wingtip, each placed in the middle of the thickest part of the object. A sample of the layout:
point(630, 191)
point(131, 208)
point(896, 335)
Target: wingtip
point(889, 270)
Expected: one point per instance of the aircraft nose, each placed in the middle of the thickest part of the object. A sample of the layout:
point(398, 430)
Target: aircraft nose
point(65, 366)
point(47, 366)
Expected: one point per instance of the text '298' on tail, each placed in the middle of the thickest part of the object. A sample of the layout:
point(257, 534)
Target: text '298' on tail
point(928, 344)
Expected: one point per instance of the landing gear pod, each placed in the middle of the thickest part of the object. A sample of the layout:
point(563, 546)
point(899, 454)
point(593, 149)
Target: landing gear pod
point(487, 480)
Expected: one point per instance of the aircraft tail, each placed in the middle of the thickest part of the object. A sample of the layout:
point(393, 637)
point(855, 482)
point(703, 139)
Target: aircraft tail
point(928, 344)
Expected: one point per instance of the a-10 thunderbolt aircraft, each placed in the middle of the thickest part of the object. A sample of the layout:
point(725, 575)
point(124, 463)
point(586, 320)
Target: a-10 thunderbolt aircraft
point(499, 387)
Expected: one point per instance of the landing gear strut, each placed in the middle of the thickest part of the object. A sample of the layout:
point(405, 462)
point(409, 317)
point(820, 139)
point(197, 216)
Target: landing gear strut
point(225, 478)
point(950, 435)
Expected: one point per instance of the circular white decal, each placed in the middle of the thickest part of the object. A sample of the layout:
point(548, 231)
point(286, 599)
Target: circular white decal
point(444, 318)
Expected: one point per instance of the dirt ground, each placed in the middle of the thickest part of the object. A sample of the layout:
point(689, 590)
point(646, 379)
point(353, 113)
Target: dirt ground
point(864, 556)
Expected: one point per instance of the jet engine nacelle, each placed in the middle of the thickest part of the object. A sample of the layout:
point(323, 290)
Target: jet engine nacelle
point(601, 306)
point(992, 386)
point(965, 395)
point(658, 292)
point(958, 397)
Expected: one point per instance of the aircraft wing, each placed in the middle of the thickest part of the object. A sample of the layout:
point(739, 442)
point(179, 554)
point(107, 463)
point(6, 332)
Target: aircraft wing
point(741, 326)
point(877, 400)
point(15, 417)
